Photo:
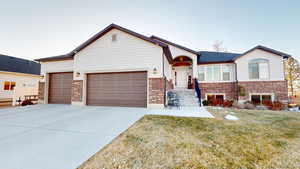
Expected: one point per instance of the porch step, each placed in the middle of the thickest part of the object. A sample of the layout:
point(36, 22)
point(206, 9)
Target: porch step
point(186, 97)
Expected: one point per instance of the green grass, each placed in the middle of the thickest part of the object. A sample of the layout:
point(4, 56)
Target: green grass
point(259, 140)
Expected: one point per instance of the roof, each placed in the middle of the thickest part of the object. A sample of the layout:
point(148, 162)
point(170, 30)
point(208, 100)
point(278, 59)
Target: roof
point(215, 57)
point(174, 44)
point(103, 32)
point(284, 55)
point(13, 64)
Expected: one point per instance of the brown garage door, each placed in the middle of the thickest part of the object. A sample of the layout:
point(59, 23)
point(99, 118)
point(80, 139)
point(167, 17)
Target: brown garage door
point(117, 89)
point(60, 88)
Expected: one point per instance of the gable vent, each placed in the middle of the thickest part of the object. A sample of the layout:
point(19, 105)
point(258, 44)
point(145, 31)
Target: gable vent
point(114, 38)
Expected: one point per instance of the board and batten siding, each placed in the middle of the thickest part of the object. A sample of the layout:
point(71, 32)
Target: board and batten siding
point(127, 53)
point(276, 66)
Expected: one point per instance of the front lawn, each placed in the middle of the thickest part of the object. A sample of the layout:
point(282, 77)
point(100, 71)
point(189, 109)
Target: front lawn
point(260, 139)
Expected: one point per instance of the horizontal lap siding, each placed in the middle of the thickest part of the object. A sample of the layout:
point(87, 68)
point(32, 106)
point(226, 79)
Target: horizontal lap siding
point(117, 89)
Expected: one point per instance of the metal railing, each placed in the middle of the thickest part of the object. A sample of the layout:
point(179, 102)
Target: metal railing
point(198, 91)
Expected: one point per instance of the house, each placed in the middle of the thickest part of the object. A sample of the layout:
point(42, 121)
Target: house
point(18, 77)
point(119, 67)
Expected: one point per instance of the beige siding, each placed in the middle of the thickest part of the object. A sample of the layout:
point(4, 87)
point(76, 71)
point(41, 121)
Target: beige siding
point(127, 53)
point(56, 66)
point(22, 80)
point(275, 65)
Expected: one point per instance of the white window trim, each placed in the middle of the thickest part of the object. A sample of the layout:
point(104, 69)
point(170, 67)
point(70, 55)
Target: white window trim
point(272, 95)
point(232, 76)
point(259, 79)
point(224, 95)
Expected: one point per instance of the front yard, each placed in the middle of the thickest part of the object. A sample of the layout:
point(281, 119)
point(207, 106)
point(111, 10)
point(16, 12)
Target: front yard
point(260, 139)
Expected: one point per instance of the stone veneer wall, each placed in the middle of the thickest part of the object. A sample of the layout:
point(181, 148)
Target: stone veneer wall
point(228, 88)
point(41, 91)
point(156, 90)
point(279, 88)
point(169, 85)
point(77, 87)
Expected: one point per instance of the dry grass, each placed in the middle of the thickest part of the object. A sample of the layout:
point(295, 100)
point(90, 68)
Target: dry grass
point(260, 140)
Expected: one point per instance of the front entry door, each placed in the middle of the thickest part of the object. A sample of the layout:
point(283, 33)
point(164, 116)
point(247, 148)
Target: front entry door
point(181, 77)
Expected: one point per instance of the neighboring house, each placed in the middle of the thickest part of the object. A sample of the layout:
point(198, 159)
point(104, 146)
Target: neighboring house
point(119, 67)
point(18, 75)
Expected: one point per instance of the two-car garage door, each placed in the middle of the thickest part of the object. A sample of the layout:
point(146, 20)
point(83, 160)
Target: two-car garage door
point(117, 89)
point(103, 89)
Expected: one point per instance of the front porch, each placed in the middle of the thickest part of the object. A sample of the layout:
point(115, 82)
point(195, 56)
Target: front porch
point(184, 71)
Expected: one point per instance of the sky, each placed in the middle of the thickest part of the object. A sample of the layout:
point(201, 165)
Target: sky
point(39, 28)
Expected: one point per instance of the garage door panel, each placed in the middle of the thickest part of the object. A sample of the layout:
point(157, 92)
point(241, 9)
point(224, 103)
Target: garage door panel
point(117, 89)
point(60, 88)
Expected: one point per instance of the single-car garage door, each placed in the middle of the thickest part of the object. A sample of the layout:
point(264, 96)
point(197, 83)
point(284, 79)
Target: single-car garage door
point(117, 89)
point(60, 88)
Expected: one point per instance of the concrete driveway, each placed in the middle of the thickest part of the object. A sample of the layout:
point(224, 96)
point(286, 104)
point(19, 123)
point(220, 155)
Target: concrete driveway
point(58, 136)
point(64, 136)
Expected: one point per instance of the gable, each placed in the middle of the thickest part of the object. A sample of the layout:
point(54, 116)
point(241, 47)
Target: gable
point(70, 55)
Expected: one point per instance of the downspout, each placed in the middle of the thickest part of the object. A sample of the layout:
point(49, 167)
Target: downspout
point(164, 76)
point(237, 82)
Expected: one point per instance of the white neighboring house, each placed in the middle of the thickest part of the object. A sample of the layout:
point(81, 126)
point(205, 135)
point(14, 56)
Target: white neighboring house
point(18, 77)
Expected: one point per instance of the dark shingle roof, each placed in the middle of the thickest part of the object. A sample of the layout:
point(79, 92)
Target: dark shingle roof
point(276, 52)
point(12, 64)
point(215, 57)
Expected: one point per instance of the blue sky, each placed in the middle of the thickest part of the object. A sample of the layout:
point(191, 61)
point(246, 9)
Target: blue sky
point(36, 28)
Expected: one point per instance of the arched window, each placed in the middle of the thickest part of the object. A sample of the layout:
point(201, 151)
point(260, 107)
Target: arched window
point(259, 69)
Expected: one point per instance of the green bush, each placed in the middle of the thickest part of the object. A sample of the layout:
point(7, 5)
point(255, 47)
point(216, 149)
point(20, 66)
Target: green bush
point(205, 103)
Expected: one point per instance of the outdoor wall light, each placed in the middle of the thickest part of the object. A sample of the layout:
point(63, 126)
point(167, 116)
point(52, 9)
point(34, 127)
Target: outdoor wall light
point(154, 70)
point(77, 74)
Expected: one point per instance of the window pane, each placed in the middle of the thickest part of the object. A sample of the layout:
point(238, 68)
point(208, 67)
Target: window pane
point(201, 73)
point(12, 85)
point(253, 71)
point(266, 98)
point(201, 76)
point(220, 98)
point(210, 97)
point(263, 70)
point(209, 71)
point(255, 99)
point(217, 70)
point(6, 85)
point(226, 76)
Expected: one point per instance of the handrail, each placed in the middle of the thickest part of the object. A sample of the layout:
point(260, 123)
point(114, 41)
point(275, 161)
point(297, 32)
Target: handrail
point(198, 91)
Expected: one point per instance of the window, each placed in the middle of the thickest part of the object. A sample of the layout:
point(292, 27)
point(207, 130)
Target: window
point(260, 98)
point(6, 85)
point(259, 69)
point(9, 85)
point(219, 97)
point(201, 74)
point(214, 73)
point(226, 72)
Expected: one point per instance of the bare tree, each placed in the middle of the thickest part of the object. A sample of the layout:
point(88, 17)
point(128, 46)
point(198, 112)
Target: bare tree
point(218, 46)
point(292, 74)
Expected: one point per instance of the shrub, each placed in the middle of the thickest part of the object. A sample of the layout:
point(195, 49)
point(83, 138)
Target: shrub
point(249, 106)
point(238, 105)
point(277, 105)
point(205, 103)
point(215, 102)
point(268, 104)
point(26, 102)
point(228, 103)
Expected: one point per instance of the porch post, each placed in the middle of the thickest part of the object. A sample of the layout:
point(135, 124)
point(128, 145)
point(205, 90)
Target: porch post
point(195, 71)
